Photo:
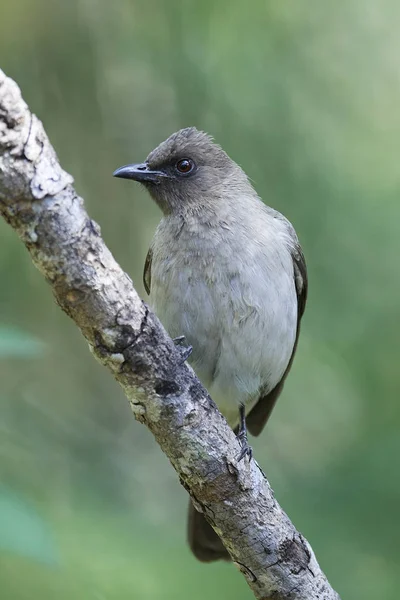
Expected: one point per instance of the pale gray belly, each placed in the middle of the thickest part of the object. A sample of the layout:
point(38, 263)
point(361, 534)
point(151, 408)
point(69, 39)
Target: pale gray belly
point(242, 338)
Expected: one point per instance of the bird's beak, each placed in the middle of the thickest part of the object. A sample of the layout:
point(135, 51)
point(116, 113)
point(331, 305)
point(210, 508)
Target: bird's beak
point(140, 172)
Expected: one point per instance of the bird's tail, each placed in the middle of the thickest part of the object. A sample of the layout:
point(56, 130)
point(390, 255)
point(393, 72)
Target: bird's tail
point(203, 541)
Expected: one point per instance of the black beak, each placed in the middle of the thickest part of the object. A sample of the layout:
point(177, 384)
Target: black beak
point(140, 173)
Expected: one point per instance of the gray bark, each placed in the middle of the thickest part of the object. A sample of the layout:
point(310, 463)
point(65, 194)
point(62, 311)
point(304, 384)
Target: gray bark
point(38, 200)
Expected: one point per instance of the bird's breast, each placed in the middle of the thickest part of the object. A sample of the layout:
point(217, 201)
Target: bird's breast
point(234, 302)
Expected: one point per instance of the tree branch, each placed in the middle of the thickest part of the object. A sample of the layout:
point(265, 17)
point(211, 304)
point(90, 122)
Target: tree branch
point(37, 199)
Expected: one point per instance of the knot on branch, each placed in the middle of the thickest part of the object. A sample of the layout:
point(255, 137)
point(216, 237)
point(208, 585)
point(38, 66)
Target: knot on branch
point(295, 553)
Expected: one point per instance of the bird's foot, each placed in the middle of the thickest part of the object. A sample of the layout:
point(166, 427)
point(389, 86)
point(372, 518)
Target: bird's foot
point(246, 450)
point(242, 435)
point(185, 351)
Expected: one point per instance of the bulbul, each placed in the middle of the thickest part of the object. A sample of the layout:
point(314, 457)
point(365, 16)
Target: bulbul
point(226, 272)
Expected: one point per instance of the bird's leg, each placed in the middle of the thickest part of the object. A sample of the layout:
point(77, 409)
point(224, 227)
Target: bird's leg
point(185, 351)
point(242, 435)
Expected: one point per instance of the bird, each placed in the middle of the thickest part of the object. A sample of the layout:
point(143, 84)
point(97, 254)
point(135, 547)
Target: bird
point(226, 273)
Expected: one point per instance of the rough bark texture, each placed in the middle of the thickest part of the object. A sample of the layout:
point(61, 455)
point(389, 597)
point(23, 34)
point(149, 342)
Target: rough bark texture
point(37, 199)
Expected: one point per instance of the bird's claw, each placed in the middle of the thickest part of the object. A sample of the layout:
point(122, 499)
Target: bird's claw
point(185, 351)
point(246, 450)
point(178, 341)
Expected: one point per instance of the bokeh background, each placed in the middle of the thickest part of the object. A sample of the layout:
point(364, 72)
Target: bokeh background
point(305, 96)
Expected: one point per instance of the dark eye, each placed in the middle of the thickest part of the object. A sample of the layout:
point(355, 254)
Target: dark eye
point(185, 165)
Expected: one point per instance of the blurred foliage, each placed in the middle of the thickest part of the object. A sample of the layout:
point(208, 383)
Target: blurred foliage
point(16, 344)
point(304, 95)
point(22, 531)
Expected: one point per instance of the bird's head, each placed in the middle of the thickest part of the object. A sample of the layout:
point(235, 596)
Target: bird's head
point(185, 172)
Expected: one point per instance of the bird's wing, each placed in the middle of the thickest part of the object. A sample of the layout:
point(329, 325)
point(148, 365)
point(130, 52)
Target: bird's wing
point(259, 415)
point(147, 271)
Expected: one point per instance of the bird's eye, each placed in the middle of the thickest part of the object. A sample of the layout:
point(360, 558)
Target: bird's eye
point(185, 166)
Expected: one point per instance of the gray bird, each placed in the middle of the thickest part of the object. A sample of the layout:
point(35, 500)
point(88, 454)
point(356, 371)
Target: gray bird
point(226, 272)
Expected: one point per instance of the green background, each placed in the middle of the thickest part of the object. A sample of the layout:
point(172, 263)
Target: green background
point(305, 95)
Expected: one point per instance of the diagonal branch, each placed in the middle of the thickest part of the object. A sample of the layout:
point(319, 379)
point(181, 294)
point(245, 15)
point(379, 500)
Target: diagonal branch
point(37, 199)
